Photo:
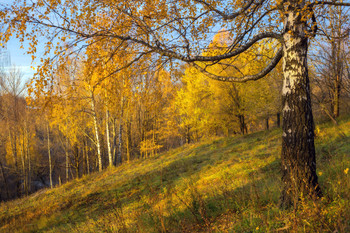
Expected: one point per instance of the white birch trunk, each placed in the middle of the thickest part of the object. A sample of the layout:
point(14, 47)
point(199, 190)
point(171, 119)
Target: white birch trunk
point(110, 159)
point(298, 151)
point(97, 138)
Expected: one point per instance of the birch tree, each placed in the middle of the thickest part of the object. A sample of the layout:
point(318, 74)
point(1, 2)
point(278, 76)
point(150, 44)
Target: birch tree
point(181, 30)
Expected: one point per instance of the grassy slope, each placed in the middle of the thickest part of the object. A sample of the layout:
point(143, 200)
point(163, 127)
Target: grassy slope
point(221, 185)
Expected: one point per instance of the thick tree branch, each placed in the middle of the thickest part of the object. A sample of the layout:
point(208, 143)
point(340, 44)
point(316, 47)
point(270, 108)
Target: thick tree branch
point(229, 16)
point(329, 3)
point(227, 55)
point(242, 79)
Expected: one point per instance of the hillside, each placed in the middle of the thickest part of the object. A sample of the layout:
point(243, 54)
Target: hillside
point(220, 185)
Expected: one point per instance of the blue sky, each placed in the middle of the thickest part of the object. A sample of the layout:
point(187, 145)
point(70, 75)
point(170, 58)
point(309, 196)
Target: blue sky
point(19, 58)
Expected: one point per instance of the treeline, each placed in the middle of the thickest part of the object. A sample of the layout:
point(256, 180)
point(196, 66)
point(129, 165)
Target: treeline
point(88, 117)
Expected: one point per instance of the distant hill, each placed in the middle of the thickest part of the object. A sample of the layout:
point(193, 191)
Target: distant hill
point(219, 185)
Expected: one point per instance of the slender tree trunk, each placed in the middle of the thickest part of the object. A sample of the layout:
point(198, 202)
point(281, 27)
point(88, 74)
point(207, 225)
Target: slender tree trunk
point(26, 160)
point(127, 143)
point(29, 184)
point(97, 137)
point(49, 153)
point(267, 123)
point(120, 134)
point(299, 176)
point(67, 160)
point(115, 143)
point(77, 165)
point(188, 134)
point(128, 139)
point(242, 124)
point(120, 142)
point(139, 127)
point(153, 152)
point(13, 142)
point(24, 177)
point(336, 96)
point(110, 159)
point(278, 116)
point(337, 65)
point(5, 181)
point(87, 157)
point(17, 169)
point(128, 133)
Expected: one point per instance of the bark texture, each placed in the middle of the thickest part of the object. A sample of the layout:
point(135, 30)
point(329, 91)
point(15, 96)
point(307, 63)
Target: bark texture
point(299, 176)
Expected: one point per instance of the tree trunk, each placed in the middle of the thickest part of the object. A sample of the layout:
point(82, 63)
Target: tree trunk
point(87, 156)
point(336, 96)
point(120, 142)
point(115, 143)
point(67, 160)
point(118, 159)
point(28, 159)
point(110, 159)
point(267, 123)
point(278, 116)
point(97, 137)
point(242, 124)
point(337, 65)
point(77, 165)
point(299, 176)
point(24, 174)
point(5, 181)
point(49, 153)
point(188, 134)
point(13, 142)
point(128, 139)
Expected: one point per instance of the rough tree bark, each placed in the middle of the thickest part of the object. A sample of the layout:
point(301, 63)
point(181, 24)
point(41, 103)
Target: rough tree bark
point(299, 176)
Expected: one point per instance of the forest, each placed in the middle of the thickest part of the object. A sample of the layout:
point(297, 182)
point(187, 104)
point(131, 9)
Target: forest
point(121, 82)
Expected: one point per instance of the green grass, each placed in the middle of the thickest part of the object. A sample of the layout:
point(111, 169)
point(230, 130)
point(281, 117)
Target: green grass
point(219, 185)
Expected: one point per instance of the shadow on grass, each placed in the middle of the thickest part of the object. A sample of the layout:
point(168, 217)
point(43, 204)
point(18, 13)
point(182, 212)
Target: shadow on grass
point(260, 191)
point(151, 184)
